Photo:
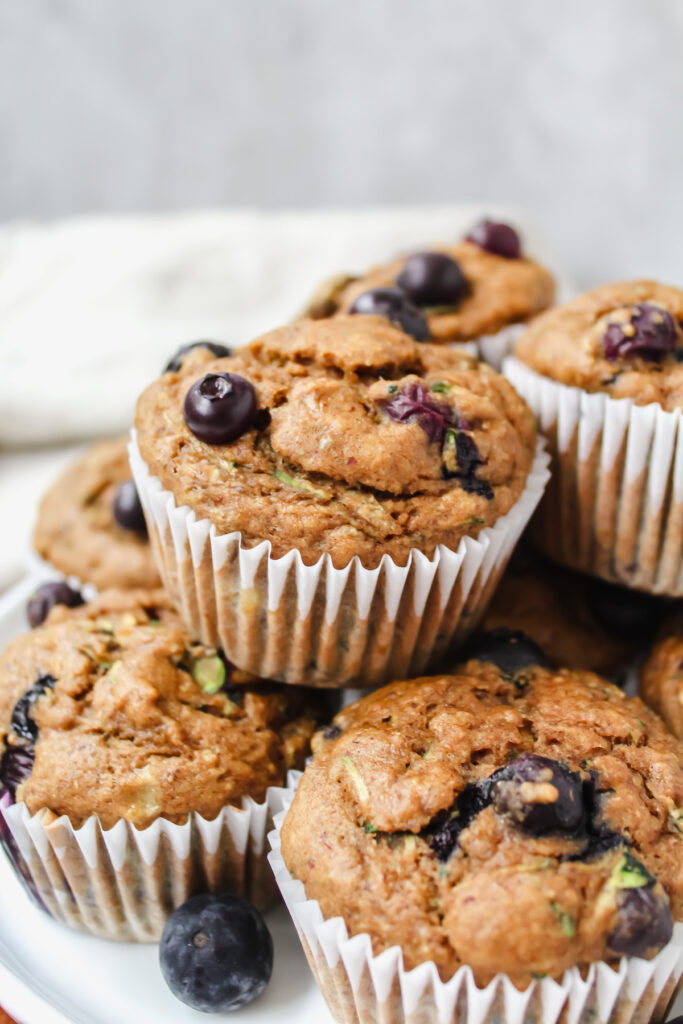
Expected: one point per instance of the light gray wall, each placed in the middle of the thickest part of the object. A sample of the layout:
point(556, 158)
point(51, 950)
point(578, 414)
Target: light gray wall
point(572, 109)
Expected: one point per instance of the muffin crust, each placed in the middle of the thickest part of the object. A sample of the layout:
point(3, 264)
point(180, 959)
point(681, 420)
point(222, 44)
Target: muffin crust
point(661, 676)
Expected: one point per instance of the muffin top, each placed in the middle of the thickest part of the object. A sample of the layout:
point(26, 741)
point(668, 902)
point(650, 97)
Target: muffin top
point(625, 339)
point(78, 531)
point(492, 291)
point(359, 441)
point(661, 675)
point(508, 817)
point(579, 621)
point(111, 709)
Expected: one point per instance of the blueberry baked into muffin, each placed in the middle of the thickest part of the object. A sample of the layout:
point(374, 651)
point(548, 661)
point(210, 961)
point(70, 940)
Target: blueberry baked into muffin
point(661, 675)
point(450, 293)
point(91, 525)
point(510, 817)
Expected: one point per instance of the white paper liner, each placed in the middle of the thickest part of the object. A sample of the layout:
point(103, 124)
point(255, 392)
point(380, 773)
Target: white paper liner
point(317, 625)
point(493, 348)
point(362, 988)
point(614, 506)
point(122, 883)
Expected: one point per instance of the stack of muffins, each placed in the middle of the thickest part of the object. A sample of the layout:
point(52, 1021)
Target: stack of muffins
point(334, 506)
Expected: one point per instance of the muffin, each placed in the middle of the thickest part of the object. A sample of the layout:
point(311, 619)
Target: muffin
point(661, 675)
point(510, 821)
point(579, 621)
point(90, 522)
point(603, 376)
point(139, 764)
point(307, 497)
point(477, 289)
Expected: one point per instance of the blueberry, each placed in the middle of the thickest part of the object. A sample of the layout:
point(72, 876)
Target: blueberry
point(432, 279)
point(331, 732)
point(414, 402)
point(509, 649)
point(128, 508)
point(443, 832)
point(216, 349)
point(216, 953)
point(650, 333)
point(497, 238)
point(22, 725)
point(220, 407)
point(16, 765)
point(461, 458)
point(539, 795)
point(43, 600)
point(644, 922)
point(626, 614)
point(396, 307)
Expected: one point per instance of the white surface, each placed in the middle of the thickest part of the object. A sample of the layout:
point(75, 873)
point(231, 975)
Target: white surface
point(52, 975)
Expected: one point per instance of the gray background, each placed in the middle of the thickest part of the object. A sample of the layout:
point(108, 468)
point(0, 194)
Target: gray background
point(572, 110)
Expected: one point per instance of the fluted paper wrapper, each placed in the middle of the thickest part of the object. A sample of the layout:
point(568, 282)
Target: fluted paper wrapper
point(123, 883)
point(315, 624)
point(614, 505)
point(362, 988)
point(493, 348)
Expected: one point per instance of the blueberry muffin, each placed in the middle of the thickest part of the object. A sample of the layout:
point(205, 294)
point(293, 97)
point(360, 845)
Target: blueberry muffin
point(604, 377)
point(509, 817)
point(581, 622)
point(661, 675)
point(91, 525)
point(455, 292)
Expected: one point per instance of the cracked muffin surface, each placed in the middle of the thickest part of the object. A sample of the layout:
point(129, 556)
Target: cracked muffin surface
point(77, 532)
point(661, 676)
point(365, 443)
point(624, 339)
point(522, 822)
point(111, 709)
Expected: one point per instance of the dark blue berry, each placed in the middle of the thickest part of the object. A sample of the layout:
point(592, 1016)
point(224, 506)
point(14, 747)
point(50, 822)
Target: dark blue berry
point(220, 407)
point(443, 832)
point(216, 953)
point(497, 238)
point(509, 649)
point(539, 795)
point(414, 402)
point(22, 725)
point(432, 279)
point(650, 333)
point(214, 347)
point(43, 600)
point(644, 922)
point(462, 461)
point(393, 304)
point(16, 765)
point(331, 732)
point(128, 508)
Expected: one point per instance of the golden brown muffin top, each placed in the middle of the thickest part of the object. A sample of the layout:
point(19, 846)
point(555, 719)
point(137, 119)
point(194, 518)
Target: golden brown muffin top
point(365, 443)
point(624, 339)
point(661, 675)
point(494, 819)
point(132, 719)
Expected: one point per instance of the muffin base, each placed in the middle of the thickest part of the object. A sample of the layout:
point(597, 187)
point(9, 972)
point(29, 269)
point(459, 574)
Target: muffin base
point(317, 625)
point(361, 988)
point(123, 883)
point(614, 505)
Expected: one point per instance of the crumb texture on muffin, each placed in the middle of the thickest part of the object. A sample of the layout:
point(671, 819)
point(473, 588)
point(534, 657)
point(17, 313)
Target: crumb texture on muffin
point(571, 343)
point(76, 530)
point(366, 443)
point(400, 825)
point(124, 730)
point(661, 676)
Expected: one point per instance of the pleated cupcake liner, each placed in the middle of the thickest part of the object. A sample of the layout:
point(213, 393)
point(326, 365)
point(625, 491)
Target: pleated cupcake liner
point(360, 987)
point(493, 348)
point(614, 506)
point(317, 625)
point(123, 883)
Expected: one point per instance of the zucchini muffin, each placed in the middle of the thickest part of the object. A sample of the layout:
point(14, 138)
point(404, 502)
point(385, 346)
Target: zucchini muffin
point(603, 375)
point(315, 501)
point(137, 764)
point(91, 525)
point(508, 817)
point(661, 676)
point(476, 287)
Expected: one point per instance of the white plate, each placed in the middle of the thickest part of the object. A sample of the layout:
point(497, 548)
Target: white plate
point(52, 975)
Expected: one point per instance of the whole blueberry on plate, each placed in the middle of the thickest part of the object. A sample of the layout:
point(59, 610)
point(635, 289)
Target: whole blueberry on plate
point(509, 649)
point(432, 279)
point(497, 238)
point(127, 508)
point(649, 333)
point(216, 953)
point(214, 347)
point(220, 407)
point(43, 600)
point(393, 304)
point(539, 794)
